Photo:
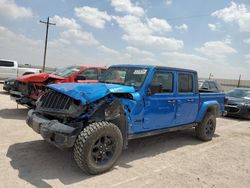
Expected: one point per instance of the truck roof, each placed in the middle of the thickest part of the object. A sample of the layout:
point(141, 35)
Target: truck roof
point(154, 67)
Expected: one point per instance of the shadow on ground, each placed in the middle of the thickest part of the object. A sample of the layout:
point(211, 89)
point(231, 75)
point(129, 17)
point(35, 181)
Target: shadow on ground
point(235, 118)
point(14, 113)
point(37, 161)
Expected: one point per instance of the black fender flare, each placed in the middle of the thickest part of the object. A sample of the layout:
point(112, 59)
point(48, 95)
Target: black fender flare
point(113, 112)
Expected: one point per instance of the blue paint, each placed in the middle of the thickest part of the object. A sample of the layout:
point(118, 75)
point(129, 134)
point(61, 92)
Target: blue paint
point(90, 92)
point(150, 112)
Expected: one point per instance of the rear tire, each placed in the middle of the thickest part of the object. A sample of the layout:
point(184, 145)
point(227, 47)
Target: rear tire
point(98, 147)
point(205, 129)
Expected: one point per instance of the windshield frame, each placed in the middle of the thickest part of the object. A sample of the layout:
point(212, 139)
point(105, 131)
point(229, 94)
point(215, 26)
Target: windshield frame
point(122, 68)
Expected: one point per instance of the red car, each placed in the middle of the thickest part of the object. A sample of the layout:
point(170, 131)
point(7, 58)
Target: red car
point(29, 88)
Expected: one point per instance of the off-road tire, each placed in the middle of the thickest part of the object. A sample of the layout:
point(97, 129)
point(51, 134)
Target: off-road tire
point(203, 130)
point(87, 139)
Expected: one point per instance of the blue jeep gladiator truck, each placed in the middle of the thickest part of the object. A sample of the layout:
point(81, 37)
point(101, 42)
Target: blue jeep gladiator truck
point(129, 102)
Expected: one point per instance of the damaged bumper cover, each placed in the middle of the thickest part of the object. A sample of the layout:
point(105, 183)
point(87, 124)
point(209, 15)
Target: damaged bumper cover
point(58, 134)
point(19, 98)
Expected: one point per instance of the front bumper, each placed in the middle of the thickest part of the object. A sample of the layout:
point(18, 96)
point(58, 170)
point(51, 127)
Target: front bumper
point(58, 134)
point(21, 99)
point(238, 111)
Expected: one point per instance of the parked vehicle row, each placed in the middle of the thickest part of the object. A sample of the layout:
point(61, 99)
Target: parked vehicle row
point(98, 119)
point(28, 88)
point(96, 110)
point(11, 69)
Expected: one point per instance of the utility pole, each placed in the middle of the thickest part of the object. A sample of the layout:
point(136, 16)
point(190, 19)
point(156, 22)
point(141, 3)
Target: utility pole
point(46, 40)
point(210, 76)
point(239, 81)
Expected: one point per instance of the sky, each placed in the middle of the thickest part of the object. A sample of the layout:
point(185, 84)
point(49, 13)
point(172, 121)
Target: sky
point(208, 36)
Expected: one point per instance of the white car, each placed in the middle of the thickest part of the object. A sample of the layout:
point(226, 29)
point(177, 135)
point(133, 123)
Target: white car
point(10, 69)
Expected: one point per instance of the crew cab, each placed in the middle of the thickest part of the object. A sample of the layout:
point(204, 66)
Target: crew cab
point(29, 88)
point(11, 69)
point(130, 102)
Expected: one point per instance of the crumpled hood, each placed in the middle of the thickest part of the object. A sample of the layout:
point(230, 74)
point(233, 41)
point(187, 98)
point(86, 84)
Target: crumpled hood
point(41, 77)
point(90, 92)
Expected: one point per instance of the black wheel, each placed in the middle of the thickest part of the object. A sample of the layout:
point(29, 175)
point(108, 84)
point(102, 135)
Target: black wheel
point(205, 129)
point(98, 147)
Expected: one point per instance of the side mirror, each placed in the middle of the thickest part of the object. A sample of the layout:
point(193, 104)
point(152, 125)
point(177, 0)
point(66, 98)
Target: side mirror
point(154, 89)
point(79, 77)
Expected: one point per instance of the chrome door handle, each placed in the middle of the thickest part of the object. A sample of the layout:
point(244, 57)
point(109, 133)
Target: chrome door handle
point(171, 101)
point(190, 100)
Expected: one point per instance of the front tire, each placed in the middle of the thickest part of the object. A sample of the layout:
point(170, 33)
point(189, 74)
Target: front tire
point(98, 147)
point(205, 129)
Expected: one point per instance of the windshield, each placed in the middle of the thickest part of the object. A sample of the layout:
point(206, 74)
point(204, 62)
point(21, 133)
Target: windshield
point(67, 71)
point(239, 93)
point(124, 76)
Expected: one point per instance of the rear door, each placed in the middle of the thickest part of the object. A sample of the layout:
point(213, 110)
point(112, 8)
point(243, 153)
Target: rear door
point(159, 111)
point(7, 69)
point(187, 98)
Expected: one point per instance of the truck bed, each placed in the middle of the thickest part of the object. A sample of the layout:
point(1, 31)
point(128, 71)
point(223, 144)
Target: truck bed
point(212, 96)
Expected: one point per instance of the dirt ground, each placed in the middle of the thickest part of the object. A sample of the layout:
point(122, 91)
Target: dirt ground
point(170, 160)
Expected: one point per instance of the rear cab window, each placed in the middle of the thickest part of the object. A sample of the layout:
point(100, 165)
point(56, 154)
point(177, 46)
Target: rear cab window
point(6, 63)
point(185, 83)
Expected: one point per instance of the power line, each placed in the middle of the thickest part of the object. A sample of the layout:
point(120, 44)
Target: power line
point(46, 40)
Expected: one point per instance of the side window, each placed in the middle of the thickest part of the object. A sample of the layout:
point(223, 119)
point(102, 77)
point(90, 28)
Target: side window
point(90, 74)
point(212, 86)
point(205, 85)
point(6, 64)
point(185, 83)
point(102, 71)
point(163, 79)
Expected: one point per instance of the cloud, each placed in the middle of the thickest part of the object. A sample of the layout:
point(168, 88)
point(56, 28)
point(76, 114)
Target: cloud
point(247, 58)
point(235, 13)
point(247, 41)
point(9, 9)
point(133, 25)
point(65, 22)
point(168, 2)
point(142, 33)
point(127, 7)
point(182, 27)
point(107, 50)
point(205, 65)
point(162, 43)
point(92, 16)
point(214, 27)
point(136, 51)
point(80, 37)
point(59, 53)
point(216, 49)
point(175, 57)
point(159, 25)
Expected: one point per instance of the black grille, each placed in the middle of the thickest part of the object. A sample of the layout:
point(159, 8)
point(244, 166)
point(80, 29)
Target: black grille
point(232, 109)
point(55, 101)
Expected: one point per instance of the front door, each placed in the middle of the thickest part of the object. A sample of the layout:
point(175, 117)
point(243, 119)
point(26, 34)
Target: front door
point(160, 105)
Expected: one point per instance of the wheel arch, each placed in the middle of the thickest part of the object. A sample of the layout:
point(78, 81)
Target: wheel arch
point(115, 113)
point(208, 107)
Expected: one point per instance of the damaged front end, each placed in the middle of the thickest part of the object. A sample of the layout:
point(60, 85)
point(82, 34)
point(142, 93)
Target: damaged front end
point(59, 118)
point(26, 93)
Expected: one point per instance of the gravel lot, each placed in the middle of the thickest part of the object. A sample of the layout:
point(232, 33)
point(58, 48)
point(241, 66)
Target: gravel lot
point(170, 160)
